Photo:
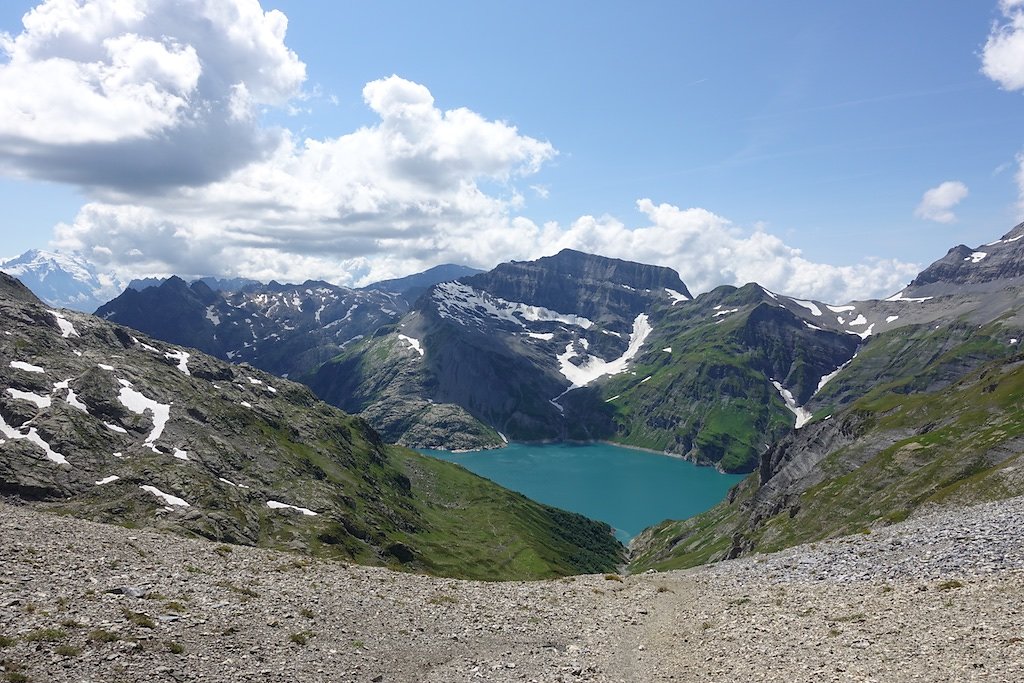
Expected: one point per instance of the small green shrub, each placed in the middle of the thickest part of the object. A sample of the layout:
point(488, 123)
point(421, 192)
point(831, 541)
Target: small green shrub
point(102, 636)
point(139, 619)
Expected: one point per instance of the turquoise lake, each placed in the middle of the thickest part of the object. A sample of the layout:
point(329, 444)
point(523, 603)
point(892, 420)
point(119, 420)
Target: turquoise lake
point(629, 489)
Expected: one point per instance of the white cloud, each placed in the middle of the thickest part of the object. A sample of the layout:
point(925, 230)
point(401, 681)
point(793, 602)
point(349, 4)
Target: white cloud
point(938, 202)
point(93, 92)
point(1002, 58)
point(707, 250)
point(377, 202)
point(186, 181)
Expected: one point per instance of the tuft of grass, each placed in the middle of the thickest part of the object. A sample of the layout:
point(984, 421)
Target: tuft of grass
point(950, 584)
point(224, 549)
point(307, 613)
point(443, 599)
point(175, 648)
point(300, 637)
point(102, 636)
point(7, 641)
point(68, 650)
point(47, 635)
point(664, 589)
point(16, 677)
point(139, 618)
point(613, 577)
point(70, 623)
point(358, 644)
point(243, 591)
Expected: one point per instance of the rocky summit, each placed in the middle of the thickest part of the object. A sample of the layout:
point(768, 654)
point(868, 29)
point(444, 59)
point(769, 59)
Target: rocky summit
point(103, 423)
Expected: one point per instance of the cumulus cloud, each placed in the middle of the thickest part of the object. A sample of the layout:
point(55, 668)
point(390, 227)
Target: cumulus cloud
point(152, 107)
point(708, 250)
point(938, 202)
point(1002, 58)
point(134, 96)
point(375, 201)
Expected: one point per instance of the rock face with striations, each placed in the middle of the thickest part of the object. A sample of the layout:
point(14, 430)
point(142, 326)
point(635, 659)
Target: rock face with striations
point(986, 268)
point(110, 425)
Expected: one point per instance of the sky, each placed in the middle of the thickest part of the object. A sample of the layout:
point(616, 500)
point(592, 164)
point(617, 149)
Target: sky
point(825, 150)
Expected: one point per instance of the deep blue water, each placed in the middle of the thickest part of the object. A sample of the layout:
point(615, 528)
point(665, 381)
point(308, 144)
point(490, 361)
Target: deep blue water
point(629, 489)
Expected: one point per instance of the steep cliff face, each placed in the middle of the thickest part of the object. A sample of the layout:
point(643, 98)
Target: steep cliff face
point(105, 423)
point(604, 290)
point(492, 354)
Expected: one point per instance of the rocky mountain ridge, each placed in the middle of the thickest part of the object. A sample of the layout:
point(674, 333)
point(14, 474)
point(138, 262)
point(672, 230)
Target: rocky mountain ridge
point(929, 411)
point(107, 424)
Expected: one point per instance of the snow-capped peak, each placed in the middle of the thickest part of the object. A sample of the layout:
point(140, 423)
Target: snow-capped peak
point(62, 279)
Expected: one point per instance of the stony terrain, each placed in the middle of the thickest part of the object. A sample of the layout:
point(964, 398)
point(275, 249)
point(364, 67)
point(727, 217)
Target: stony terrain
point(936, 598)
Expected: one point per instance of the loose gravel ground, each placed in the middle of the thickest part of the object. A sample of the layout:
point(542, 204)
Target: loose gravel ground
point(937, 598)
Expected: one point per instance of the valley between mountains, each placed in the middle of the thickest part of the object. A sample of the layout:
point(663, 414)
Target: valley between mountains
point(280, 417)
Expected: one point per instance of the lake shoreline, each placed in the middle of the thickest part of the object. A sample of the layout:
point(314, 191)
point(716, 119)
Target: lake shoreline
point(602, 442)
point(629, 488)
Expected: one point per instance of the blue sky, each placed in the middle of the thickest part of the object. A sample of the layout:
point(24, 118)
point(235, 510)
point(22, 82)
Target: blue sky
point(755, 129)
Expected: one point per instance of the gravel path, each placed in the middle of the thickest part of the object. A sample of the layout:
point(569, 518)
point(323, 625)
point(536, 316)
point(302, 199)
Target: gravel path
point(937, 598)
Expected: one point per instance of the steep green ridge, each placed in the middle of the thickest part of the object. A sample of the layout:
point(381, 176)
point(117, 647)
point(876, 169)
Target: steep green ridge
point(895, 449)
point(710, 398)
point(237, 442)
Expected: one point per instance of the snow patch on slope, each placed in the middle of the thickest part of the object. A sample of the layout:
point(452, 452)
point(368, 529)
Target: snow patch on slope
point(27, 367)
point(181, 357)
point(593, 367)
point(277, 505)
point(165, 497)
point(136, 402)
point(802, 414)
point(809, 305)
point(66, 328)
point(33, 438)
point(457, 301)
point(676, 296)
point(414, 344)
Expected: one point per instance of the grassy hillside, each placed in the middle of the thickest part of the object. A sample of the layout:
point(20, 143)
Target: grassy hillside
point(886, 456)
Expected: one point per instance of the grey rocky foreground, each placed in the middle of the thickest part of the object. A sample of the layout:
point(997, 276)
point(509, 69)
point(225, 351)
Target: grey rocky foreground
point(936, 598)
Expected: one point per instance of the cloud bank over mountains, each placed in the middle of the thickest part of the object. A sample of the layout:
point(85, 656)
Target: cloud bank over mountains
point(154, 110)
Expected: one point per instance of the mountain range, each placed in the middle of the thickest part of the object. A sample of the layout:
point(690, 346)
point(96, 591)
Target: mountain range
point(64, 280)
point(111, 425)
point(845, 415)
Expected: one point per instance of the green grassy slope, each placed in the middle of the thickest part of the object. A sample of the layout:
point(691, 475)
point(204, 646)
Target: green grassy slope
point(894, 453)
